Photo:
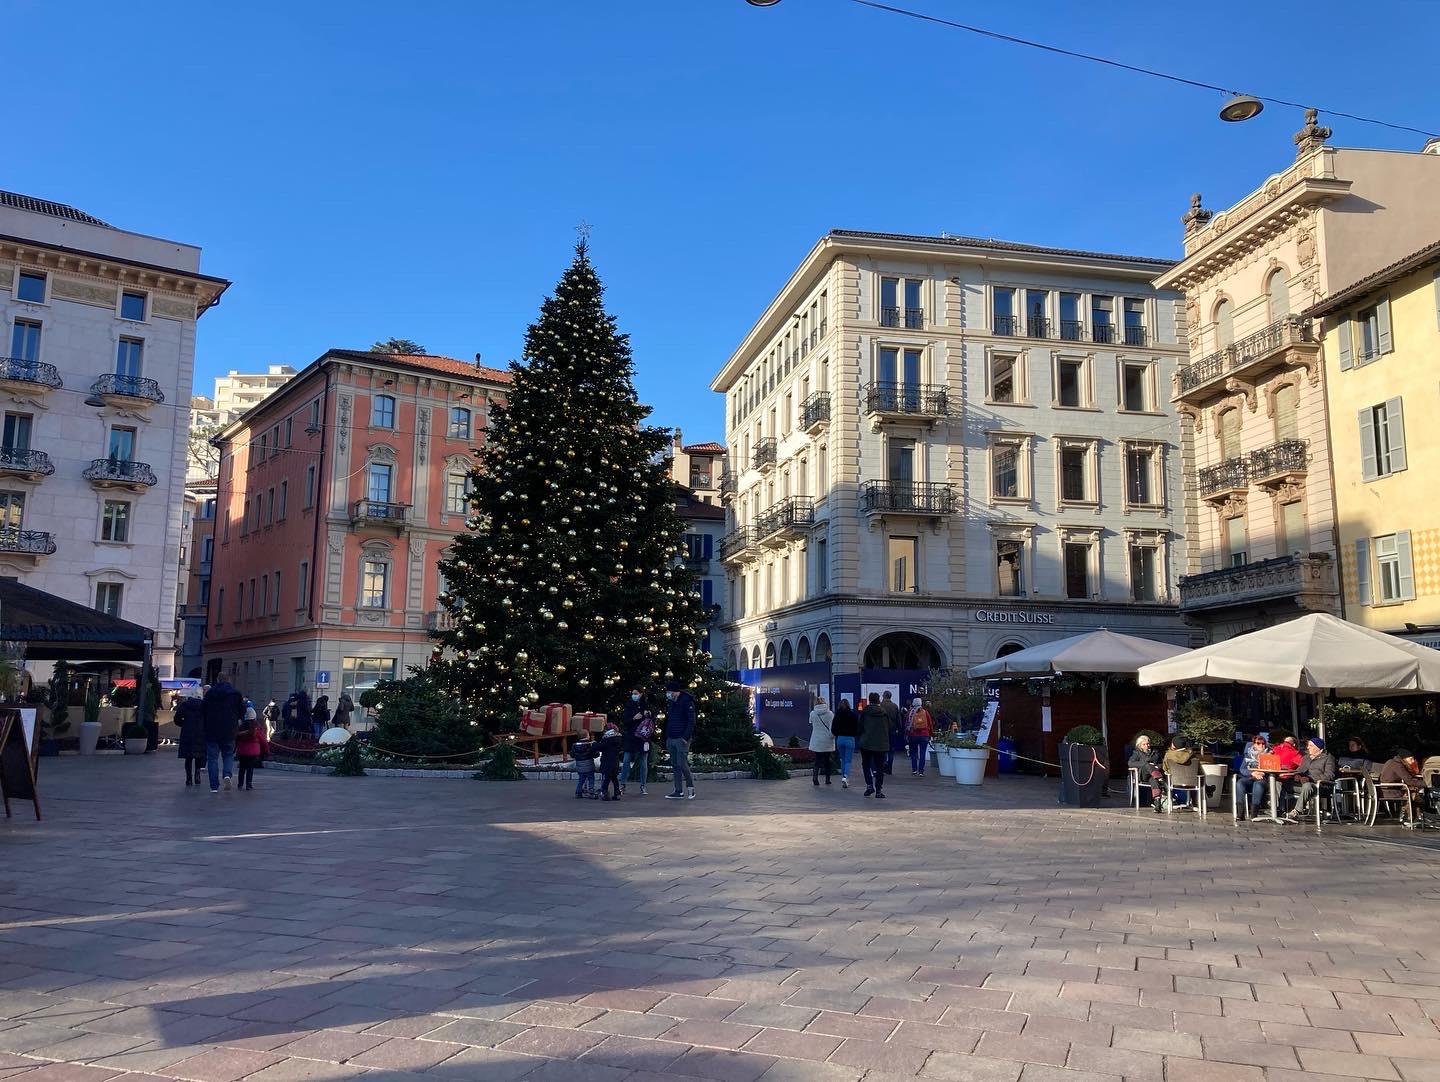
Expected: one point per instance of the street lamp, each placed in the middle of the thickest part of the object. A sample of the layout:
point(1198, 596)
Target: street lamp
point(1241, 107)
point(762, 3)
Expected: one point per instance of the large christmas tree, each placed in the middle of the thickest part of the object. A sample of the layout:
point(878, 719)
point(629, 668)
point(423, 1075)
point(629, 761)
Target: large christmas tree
point(566, 587)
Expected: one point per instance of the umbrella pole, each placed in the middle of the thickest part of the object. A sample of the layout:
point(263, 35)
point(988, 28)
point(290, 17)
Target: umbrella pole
point(1104, 727)
point(1295, 712)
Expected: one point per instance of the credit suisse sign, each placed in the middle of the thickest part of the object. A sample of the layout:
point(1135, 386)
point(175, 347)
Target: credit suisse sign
point(1018, 616)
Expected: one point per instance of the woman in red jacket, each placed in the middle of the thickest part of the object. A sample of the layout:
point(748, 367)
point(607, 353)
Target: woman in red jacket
point(251, 745)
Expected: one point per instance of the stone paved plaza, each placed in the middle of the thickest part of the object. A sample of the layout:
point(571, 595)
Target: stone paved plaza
point(329, 928)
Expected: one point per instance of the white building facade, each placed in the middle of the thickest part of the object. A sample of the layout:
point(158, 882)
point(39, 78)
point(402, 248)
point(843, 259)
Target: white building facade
point(96, 393)
point(945, 449)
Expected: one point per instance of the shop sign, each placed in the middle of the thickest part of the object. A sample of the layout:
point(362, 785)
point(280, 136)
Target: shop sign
point(1012, 616)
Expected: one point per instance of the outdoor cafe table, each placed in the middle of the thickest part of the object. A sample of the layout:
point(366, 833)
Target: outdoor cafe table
point(1271, 778)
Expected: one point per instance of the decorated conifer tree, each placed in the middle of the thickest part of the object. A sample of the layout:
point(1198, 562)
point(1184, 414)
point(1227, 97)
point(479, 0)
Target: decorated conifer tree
point(566, 586)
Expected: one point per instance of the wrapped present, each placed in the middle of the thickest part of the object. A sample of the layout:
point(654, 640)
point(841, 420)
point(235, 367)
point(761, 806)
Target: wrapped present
point(580, 722)
point(596, 722)
point(532, 722)
point(557, 718)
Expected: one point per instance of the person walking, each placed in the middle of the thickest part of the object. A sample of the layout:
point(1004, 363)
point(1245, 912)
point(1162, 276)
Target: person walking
point(630, 715)
point(822, 739)
point(679, 731)
point(846, 727)
point(190, 720)
point(896, 731)
point(223, 707)
point(304, 718)
point(874, 745)
point(343, 709)
point(320, 715)
point(920, 729)
point(252, 744)
point(610, 745)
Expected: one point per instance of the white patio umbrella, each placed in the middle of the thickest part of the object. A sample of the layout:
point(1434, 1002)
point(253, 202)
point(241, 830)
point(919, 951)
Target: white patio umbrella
point(1103, 653)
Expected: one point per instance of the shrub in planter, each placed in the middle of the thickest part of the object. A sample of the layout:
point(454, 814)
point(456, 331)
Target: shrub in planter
point(1084, 734)
point(500, 763)
point(351, 764)
point(418, 717)
point(766, 765)
point(1083, 773)
point(58, 723)
point(1204, 722)
point(135, 736)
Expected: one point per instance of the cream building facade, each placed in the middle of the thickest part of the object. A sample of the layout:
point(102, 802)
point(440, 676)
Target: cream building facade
point(1260, 511)
point(945, 448)
point(96, 386)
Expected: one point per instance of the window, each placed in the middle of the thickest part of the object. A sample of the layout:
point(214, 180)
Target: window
point(122, 444)
point(1037, 313)
point(274, 440)
point(107, 597)
point(254, 593)
point(900, 461)
point(1387, 568)
point(219, 606)
point(264, 606)
point(1102, 318)
point(1287, 416)
point(1073, 469)
point(284, 499)
point(264, 446)
point(1366, 335)
point(1140, 476)
point(1292, 528)
point(289, 429)
point(1072, 326)
point(1010, 568)
point(1006, 374)
point(309, 486)
point(132, 306)
point(302, 594)
point(377, 482)
point(128, 357)
point(115, 521)
point(270, 507)
point(1229, 435)
point(12, 511)
point(1070, 382)
point(904, 559)
point(275, 610)
point(374, 584)
point(1134, 316)
point(1135, 387)
point(1077, 570)
point(30, 287)
point(457, 492)
point(382, 411)
point(900, 303)
point(18, 427)
point(459, 423)
point(1142, 573)
point(204, 590)
point(1002, 311)
point(1005, 470)
point(1394, 569)
point(822, 565)
point(822, 472)
point(1277, 295)
point(1382, 440)
point(358, 674)
point(314, 421)
point(1224, 324)
point(1235, 541)
point(25, 340)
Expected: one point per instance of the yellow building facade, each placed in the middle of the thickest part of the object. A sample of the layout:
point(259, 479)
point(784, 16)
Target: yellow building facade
point(1382, 360)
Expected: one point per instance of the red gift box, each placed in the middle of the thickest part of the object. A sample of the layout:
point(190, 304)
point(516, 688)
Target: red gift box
point(557, 718)
point(532, 722)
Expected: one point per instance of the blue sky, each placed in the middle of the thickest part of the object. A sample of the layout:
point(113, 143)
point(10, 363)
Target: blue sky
point(365, 169)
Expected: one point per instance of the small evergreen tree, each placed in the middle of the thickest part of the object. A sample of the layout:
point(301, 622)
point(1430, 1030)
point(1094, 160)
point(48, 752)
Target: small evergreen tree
point(418, 717)
point(567, 586)
point(59, 700)
point(352, 763)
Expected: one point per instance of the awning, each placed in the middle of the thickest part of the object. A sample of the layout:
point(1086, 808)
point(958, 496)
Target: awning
point(54, 629)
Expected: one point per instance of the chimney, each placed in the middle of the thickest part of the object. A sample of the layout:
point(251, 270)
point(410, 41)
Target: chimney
point(477, 360)
point(675, 440)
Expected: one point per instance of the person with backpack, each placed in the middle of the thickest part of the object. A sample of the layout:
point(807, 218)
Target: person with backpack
point(919, 729)
point(822, 739)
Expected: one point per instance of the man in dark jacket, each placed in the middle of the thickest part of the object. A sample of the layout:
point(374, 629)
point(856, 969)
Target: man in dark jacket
point(895, 729)
point(190, 720)
point(224, 707)
point(679, 731)
point(1316, 769)
point(874, 745)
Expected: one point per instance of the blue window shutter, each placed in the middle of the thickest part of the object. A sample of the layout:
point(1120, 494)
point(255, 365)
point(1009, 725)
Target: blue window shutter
point(1362, 570)
point(1347, 357)
point(1382, 320)
point(1395, 426)
point(1369, 470)
point(709, 547)
point(1407, 566)
point(707, 591)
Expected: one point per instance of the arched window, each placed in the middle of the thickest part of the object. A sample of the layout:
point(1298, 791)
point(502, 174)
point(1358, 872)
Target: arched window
point(770, 655)
point(787, 653)
point(730, 662)
point(382, 411)
point(1224, 324)
point(822, 648)
point(1008, 649)
point(1277, 292)
point(802, 651)
point(459, 423)
point(902, 650)
point(755, 658)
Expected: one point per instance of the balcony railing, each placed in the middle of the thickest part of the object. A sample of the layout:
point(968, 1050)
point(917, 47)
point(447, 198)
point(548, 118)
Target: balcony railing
point(737, 543)
point(120, 471)
point(907, 498)
point(27, 542)
point(1104, 333)
point(381, 511)
point(698, 564)
point(1135, 336)
point(824, 326)
point(1309, 580)
point(916, 399)
point(1230, 476)
point(889, 316)
point(1072, 330)
point(814, 338)
point(1037, 327)
point(440, 620)
point(727, 484)
point(1009, 325)
point(815, 410)
point(765, 454)
point(1284, 459)
point(1202, 371)
point(790, 514)
point(1264, 343)
point(25, 460)
point(19, 370)
point(112, 383)
point(915, 318)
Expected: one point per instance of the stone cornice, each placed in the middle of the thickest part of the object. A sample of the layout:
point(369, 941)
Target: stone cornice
point(202, 289)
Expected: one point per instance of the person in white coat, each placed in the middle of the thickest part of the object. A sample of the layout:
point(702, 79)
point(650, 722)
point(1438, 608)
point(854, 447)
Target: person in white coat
point(822, 739)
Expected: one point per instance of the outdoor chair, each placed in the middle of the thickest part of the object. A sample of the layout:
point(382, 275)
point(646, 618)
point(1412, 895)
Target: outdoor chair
point(1132, 777)
point(1346, 798)
point(1185, 779)
point(1392, 793)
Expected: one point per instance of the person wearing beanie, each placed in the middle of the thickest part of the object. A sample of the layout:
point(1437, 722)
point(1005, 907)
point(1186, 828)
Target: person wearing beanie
point(920, 728)
point(1317, 768)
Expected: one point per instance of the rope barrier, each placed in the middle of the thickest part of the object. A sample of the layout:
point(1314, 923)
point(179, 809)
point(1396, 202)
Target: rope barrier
point(380, 751)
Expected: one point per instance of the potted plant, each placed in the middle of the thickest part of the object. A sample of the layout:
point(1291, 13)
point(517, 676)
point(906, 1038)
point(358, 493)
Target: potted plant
point(942, 744)
point(1207, 725)
point(1083, 766)
point(967, 759)
point(134, 736)
point(52, 714)
point(90, 727)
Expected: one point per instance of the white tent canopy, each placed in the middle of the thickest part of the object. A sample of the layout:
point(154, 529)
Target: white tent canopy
point(1315, 653)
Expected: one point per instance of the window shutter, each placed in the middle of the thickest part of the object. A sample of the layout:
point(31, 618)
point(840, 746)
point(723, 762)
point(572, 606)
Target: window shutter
point(1382, 320)
point(1347, 359)
point(1395, 427)
point(1362, 569)
point(708, 551)
point(1407, 567)
point(1368, 468)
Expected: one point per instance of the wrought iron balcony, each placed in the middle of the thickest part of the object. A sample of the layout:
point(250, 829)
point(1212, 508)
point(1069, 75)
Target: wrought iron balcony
point(915, 318)
point(1217, 482)
point(26, 542)
point(727, 484)
point(1072, 330)
point(1135, 335)
point(737, 545)
point(33, 374)
point(786, 519)
point(907, 399)
point(1009, 325)
point(1037, 327)
point(1277, 343)
point(907, 498)
point(1104, 333)
point(119, 473)
point(766, 452)
point(1279, 462)
point(439, 620)
point(1308, 581)
point(814, 338)
point(381, 513)
point(824, 325)
point(24, 462)
point(815, 411)
point(889, 316)
point(698, 564)
point(137, 388)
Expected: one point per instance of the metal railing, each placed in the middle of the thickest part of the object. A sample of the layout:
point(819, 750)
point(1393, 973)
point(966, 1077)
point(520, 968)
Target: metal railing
point(736, 542)
point(1202, 371)
point(907, 497)
point(727, 484)
point(394, 514)
point(920, 399)
point(1006, 324)
point(1104, 333)
point(440, 620)
point(889, 316)
point(26, 460)
point(914, 318)
point(1135, 335)
point(1037, 327)
point(1231, 474)
point(28, 542)
point(793, 512)
point(1285, 457)
point(765, 454)
point(1072, 330)
point(815, 410)
point(1283, 332)
point(128, 387)
point(19, 370)
point(824, 326)
point(120, 470)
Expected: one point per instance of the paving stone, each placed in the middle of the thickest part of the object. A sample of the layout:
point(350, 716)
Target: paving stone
point(958, 1068)
point(222, 1065)
point(402, 1054)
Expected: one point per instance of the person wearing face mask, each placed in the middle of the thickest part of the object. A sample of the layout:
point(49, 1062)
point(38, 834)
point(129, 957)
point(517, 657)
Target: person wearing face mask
point(638, 726)
point(679, 731)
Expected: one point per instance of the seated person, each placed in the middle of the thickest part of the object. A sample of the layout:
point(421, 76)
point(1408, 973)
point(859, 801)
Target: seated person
point(1250, 782)
point(1316, 769)
point(1400, 769)
point(1181, 754)
point(1145, 761)
point(1356, 757)
point(1288, 752)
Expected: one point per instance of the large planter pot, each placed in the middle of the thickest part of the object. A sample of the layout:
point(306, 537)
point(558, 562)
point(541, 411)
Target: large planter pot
point(944, 762)
point(968, 765)
point(135, 745)
point(1083, 774)
point(89, 736)
point(1214, 775)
